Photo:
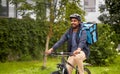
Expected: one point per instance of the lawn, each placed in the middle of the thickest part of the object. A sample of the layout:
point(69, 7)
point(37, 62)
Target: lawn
point(34, 67)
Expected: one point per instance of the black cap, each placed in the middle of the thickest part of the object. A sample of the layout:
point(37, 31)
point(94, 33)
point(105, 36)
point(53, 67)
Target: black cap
point(75, 15)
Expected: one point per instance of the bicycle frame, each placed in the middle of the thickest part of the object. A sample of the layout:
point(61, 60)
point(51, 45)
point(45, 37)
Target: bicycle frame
point(62, 66)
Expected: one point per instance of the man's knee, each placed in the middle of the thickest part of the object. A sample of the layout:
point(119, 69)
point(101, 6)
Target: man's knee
point(71, 60)
point(78, 57)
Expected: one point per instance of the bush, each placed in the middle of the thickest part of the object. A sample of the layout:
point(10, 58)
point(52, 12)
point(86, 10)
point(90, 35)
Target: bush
point(21, 37)
point(103, 52)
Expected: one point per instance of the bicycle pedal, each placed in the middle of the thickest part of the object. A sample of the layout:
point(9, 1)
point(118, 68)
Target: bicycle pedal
point(60, 65)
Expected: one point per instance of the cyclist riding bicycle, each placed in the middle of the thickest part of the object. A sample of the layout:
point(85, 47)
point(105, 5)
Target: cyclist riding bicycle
point(77, 45)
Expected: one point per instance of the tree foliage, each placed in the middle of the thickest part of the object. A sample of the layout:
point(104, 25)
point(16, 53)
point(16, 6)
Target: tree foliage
point(73, 8)
point(110, 15)
point(113, 11)
point(113, 7)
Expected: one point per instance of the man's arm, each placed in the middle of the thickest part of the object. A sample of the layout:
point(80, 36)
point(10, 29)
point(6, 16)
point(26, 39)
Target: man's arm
point(61, 41)
point(58, 43)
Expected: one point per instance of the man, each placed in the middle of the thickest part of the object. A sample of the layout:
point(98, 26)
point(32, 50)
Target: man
point(77, 45)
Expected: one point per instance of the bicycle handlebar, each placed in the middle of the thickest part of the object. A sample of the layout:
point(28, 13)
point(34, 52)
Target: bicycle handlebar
point(62, 53)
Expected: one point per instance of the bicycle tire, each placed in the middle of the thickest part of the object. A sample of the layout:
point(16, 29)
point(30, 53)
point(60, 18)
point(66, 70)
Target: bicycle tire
point(64, 71)
point(55, 72)
point(87, 71)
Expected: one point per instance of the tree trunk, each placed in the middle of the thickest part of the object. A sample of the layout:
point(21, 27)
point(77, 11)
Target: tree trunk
point(45, 56)
point(50, 32)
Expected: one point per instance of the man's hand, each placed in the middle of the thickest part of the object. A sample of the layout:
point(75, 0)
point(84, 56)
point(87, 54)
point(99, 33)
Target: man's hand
point(49, 51)
point(77, 51)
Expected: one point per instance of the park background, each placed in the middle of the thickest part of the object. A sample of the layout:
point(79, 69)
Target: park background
point(24, 40)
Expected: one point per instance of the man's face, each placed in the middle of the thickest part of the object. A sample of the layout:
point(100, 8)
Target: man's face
point(74, 23)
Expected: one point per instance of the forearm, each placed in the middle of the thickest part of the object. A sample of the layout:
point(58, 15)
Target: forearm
point(60, 42)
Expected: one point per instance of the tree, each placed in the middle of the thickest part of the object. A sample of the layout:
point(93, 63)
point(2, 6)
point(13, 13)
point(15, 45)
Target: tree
point(112, 9)
point(60, 14)
point(110, 15)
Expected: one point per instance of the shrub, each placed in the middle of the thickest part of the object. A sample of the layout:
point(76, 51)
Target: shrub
point(103, 52)
point(21, 37)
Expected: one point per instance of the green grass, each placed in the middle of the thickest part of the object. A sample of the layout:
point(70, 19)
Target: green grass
point(34, 67)
point(31, 67)
point(112, 69)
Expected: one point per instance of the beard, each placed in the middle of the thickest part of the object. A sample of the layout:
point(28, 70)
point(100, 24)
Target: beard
point(74, 26)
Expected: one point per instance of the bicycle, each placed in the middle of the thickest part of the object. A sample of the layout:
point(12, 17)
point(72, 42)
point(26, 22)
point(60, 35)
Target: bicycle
point(62, 66)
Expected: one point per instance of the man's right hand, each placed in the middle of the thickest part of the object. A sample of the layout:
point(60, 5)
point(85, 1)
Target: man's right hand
point(47, 52)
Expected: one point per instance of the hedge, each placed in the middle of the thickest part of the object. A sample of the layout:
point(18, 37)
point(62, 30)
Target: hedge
point(21, 39)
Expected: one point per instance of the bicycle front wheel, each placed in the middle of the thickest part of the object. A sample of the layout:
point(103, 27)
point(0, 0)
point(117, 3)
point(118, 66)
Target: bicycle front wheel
point(64, 71)
point(55, 72)
point(87, 71)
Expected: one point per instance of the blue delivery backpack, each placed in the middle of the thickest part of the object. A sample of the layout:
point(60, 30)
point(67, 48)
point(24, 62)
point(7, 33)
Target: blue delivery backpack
point(91, 30)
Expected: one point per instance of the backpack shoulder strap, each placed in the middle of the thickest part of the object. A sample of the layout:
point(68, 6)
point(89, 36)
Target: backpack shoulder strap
point(80, 33)
point(82, 28)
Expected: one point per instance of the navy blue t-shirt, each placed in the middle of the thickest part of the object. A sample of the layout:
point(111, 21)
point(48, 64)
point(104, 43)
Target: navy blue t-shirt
point(74, 44)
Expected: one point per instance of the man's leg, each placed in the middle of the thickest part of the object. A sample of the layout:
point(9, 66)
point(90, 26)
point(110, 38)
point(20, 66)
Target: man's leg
point(72, 62)
point(79, 58)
